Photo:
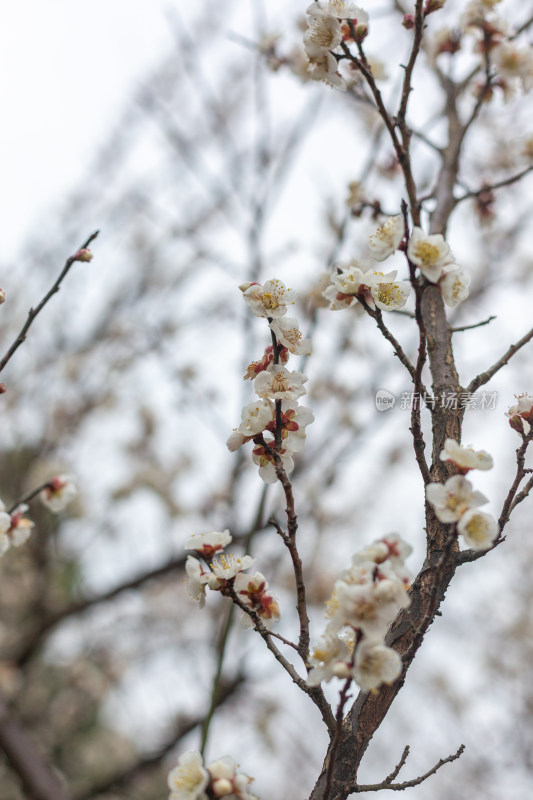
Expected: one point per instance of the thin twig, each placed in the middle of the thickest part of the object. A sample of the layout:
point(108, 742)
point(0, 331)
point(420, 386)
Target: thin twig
point(475, 325)
point(416, 424)
point(396, 771)
point(29, 496)
point(315, 693)
point(490, 187)
point(399, 787)
point(484, 377)
point(33, 312)
point(376, 314)
point(519, 476)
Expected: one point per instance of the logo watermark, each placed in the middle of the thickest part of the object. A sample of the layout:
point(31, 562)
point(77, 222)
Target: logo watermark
point(385, 400)
point(478, 401)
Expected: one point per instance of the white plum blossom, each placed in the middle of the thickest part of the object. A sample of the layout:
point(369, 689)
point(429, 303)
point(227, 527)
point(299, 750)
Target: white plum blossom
point(465, 458)
point(5, 525)
point(189, 779)
point(366, 598)
point(373, 286)
point(288, 333)
point(339, 9)
point(277, 383)
point(255, 417)
point(429, 252)
point(387, 238)
point(21, 527)
point(227, 782)
point(329, 659)
point(294, 421)
point(196, 580)
point(235, 440)
point(521, 414)
point(356, 194)
point(387, 293)
point(5, 519)
point(369, 606)
point(478, 528)
point(323, 67)
point(266, 463)
point(225, 566)
point(323, 33)
point(452, 499)
point(454, 285)
point(375, 664)
point(350, 279)
point(253, 591)
point(208, 543)
point(270, 300)
point(513, 62)
point(476, 13)
point(59, 493)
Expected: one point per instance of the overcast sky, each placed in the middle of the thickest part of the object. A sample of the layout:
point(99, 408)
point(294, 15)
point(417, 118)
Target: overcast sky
point(66, 69)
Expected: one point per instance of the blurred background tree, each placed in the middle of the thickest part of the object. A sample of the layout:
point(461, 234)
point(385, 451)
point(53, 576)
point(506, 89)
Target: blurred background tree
point(223, 168)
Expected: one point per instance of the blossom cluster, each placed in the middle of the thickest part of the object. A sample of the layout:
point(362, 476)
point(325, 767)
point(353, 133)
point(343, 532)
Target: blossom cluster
point(327, 28)
point(513, 63)
point(225, 574)
point(191, 780)
point(456, 501)
point(276, 413)
point(521, 414)
point(365, 600)
point(430, 253)
point(15, 528)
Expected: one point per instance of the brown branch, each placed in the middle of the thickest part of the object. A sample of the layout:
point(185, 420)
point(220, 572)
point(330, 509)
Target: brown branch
point(376, 315)
point(315, 693)
point(519, 476)
point(29, 496)
point(490, 187)
point(416, 424)
point(475, 325)
point(34, 641)
point(33, 312)
point(510, 502)
point(290, 543)
point(404, 155)
point(339, 716)
point(523, 494)
point(405, 635)
point(484, 377)
point(37, 777)
point(397, 769)
point(399, 787)
point(147, 763)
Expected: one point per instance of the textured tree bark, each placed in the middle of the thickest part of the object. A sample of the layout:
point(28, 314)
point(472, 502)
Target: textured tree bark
point(432, 582)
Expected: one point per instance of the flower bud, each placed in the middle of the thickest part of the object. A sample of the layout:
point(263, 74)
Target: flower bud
point(517, 424)
point(408, 21)
point(222, 787)
point(83, 255)
point(361, 32)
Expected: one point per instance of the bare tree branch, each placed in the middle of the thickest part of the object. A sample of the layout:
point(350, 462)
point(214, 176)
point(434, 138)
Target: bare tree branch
point(484, 377)
point(37, 777)
point(399, 787)
point(33, 312)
